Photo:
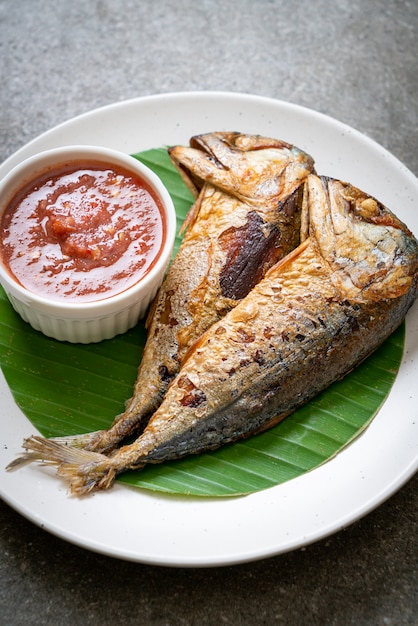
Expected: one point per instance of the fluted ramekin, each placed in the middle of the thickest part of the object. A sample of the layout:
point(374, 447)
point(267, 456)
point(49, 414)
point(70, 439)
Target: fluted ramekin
point(87, 322)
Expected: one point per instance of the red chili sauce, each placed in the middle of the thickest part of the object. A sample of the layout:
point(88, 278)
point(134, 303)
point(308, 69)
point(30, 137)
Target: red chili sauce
point(85, 232)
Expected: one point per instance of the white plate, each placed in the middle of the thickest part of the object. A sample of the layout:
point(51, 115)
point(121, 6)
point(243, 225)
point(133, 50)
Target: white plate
point(179, 531)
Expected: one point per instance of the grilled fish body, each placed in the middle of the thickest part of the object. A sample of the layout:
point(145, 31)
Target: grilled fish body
point(326, 306)
point(246, 217)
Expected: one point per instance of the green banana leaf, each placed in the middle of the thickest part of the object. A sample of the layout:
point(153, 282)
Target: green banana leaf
point(66, 389)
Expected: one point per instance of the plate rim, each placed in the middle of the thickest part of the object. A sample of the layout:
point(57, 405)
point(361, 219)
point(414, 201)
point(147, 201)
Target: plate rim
point(322, 532)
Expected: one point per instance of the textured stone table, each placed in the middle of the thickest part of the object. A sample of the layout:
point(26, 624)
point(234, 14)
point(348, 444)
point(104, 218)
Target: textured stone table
point(355, 60)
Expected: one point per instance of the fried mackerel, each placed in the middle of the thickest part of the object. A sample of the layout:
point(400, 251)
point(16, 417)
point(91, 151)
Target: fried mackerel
point(322, 309)
point(245, 218)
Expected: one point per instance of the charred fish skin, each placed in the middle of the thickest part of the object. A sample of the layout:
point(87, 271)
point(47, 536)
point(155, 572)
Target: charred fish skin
point(327, 305)
point(263, 173)
point(229, 244)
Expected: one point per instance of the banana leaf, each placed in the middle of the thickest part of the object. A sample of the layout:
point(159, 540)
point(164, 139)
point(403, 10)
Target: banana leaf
point(65, 389)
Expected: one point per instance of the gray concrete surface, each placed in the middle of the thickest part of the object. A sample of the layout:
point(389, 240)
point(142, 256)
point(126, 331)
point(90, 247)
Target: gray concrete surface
point(355, 60)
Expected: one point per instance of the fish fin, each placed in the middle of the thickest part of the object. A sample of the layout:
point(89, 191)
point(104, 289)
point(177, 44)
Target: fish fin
point(84, 470)
point(84, 481)
point(53, 451)
point(85, 440)
point(193, 213)
point(22, 459)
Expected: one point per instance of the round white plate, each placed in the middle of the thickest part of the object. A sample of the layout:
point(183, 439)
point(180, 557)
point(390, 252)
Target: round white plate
point(178, 531)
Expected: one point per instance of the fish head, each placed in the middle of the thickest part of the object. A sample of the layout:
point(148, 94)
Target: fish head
point(371, 253)
point(253, 168)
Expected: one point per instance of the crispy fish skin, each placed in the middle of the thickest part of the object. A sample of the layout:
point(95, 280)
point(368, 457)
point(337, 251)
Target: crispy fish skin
point(325, 307)
point(234, 233)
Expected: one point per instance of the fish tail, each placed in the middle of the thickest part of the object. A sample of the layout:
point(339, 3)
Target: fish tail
point(85, 440)
point(84, 479)
point(84, 470)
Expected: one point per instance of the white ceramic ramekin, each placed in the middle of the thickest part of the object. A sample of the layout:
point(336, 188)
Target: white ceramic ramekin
point(86, 322)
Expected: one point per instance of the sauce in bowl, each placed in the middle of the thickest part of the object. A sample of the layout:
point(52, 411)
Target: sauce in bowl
point(83, 231)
